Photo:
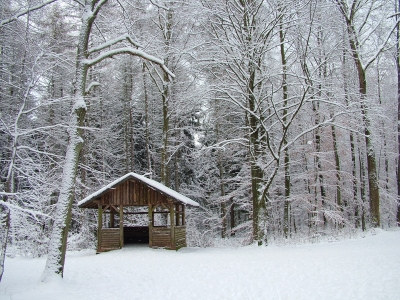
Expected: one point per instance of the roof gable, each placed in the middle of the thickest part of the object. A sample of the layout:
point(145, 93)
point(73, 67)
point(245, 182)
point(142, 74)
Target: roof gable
point(152, 184)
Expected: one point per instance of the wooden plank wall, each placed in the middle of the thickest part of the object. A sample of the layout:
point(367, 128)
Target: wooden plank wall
point(110, 239)
point(180, 237)
point(133, 193)
point(161, 237)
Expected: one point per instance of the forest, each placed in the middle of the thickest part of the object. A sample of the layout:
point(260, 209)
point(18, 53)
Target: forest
point(280, 118)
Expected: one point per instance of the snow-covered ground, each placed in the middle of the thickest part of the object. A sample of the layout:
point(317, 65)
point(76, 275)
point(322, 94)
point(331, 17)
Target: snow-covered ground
point(361, 268)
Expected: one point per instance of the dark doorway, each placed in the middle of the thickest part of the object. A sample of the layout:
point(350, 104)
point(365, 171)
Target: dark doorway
point(136, 235)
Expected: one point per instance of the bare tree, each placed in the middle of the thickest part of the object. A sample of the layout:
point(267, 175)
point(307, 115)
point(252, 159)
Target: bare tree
point(86, 58)
point(357, 35)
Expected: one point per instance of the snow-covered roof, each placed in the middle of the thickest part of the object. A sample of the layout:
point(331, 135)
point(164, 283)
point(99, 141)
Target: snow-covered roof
point(149, 182)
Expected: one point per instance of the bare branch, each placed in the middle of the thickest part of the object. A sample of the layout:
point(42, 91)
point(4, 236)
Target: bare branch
point(24, 12)
point(113, 42)
point(31, 212)
point(381, 47)
point(159, 6)
point(131, 51)
point(92, 85)
point(7, 194)
point(98, 6)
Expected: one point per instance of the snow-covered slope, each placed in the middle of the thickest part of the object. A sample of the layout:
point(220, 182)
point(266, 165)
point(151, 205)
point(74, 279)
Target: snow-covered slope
point(362, 268)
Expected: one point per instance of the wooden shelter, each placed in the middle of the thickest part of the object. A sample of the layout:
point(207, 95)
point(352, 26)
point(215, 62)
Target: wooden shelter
point(129, 193)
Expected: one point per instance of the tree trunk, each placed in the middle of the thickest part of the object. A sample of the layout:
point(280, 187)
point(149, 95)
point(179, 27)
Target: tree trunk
point(355, 203)
point(363, 191)
point(249, 25)
point(256, 172)
point(4, 229)
point(164, 150)
point(319, 178)
point(146, 115)
point(177, 158)
point(286, 209)
point(337, 168)
point(10, 181)
point(371, 161)
point(62, 219)
point(128, 134)
point(232, 218)
point(58, 238)
point(398, 109)
point(362, 84)
point(223, 203)
point(223, 210)
point(165, 101)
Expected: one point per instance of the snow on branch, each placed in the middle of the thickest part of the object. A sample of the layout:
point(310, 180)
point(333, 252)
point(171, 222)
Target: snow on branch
point(31, 212)
point(131, 51)
point(223, 144)
point(113, 42)
point(24, 12)
point(38, 129)
point(160, 88)
point(159, 5)
point(98, 5)
point(327, 122)
point(394, 15)
point(382, 46)
point(38, 152)
point(7, 194)
point(90, 13)
point(92, 85)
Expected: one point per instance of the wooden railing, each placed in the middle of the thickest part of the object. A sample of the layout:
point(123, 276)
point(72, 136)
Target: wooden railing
point(109, 240)
point(180, 237)
point(161, 237)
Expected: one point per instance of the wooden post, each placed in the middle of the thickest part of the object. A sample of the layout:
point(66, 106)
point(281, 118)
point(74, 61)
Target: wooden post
point(112, 217)
point(121, 226)
point(232, 219)
point(172, 221)
point(151, 221)
point(99, 226)
point(177, 215)
point(183, 215)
